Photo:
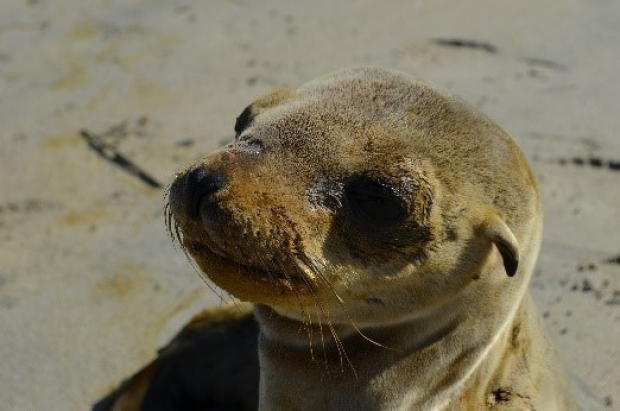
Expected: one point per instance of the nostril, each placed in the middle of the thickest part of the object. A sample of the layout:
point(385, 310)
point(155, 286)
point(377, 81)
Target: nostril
point(201, 183)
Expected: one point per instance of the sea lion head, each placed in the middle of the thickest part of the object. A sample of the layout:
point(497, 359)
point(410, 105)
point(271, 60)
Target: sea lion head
point(361, 193)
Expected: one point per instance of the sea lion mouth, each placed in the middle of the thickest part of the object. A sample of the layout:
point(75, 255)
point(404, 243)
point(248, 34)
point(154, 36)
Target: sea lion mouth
point(247, 267)
point(288, 276)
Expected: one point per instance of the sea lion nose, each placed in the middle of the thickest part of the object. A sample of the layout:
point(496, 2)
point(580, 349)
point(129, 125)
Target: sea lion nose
point(201, 184)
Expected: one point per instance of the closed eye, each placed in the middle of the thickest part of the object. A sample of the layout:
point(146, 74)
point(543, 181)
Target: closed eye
point(374, 204)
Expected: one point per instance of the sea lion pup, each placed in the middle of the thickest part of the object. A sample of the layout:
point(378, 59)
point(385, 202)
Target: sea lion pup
point(386, 233)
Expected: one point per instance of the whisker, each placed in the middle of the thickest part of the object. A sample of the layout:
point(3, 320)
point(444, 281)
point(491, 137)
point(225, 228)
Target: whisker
point(176, 234)
point(310, 263)
point(306, 323)
point(323, 312)
point(318, 303)
point(342, 353)
point(261, 259)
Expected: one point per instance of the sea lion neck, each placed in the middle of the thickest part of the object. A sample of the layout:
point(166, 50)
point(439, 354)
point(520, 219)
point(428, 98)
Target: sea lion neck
point(405, 336)
point(369, 361)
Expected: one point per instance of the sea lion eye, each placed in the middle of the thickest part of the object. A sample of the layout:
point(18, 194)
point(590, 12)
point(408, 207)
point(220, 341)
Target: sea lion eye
point(374, 203)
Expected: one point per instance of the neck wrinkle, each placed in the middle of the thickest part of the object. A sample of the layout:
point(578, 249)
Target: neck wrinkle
point(405, 337)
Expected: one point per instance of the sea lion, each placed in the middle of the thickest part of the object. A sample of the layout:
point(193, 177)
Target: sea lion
point(386, 233)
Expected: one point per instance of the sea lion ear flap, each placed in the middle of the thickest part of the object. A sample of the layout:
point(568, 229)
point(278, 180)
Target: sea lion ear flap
point(498, 232)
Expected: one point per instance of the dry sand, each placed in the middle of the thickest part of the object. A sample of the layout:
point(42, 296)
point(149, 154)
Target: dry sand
point(90, 284)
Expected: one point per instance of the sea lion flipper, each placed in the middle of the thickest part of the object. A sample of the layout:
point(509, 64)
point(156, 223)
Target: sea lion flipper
point(212, 363)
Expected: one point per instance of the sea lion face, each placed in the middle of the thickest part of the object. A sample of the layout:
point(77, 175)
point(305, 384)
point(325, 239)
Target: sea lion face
point(345, 198)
